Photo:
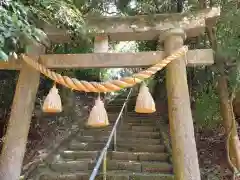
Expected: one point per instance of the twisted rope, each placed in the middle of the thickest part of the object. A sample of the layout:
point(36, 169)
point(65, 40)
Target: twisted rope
point(109, 86)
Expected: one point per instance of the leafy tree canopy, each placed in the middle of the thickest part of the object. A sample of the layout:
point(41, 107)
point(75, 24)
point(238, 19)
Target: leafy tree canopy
point(21, 20)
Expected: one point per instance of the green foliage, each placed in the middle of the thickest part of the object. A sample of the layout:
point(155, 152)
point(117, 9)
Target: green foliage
point(207, 113)
point(8, 81)
point(147, 45)
point(88, 74)
point(228, 37)
point(20, 21)
point(228, 34)
point(234, 78)
point(62, 12)
point(132, 7)
point(14, 23)
point(151, 83)
point(72, 48)
point(3, 56)
point(82, 74)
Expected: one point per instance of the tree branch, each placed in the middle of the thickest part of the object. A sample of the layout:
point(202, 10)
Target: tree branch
point(157, 5)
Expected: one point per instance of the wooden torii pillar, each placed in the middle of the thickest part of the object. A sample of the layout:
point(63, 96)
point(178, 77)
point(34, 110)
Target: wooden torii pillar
point(119, 29)
point(185, 158)
point(21, 113)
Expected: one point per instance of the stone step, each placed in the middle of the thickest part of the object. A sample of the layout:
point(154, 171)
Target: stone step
point(111, 175)
point(138, 156)
point(118, 104)
point(140, 115)
point(119, 139)
point(95, 132)
point(115, 105)
point(140, 140)
point(127, 124)
point(121, 146)
point(122, 100)
point(113, 109)
point(153, 135)
point(140, 148)
point(122, 133)
point(92, 138)
point(125, 127)
point(143, 117)
point(144, 128)
point(87, 165)
point(141, 120)
point(140, 152)
point(147, 124)
point(113, 116)
point(86, 146)
point(147, 121)
point(116, 155)
point(143, 114)
point(74, 155)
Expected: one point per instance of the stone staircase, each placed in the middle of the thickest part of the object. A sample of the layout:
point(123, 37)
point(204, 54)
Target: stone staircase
point(140, 152)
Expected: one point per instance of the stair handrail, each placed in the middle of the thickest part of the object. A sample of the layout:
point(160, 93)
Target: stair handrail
point(103, 154)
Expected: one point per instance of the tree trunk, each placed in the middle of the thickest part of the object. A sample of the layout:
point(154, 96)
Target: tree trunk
point(228, 119)
point(225, 106)
point(236, 107)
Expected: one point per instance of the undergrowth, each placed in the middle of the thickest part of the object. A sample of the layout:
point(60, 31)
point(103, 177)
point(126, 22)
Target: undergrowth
point(207, 112)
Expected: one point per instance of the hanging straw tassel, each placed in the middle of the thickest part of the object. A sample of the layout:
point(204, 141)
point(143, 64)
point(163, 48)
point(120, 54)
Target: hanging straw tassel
point(145, 102)
point(98, 116)
point(52, 103)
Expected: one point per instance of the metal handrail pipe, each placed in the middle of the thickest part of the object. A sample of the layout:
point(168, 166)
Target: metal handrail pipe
point(100, 159)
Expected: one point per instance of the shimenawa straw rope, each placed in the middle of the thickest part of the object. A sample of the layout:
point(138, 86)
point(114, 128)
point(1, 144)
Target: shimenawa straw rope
point(109, 86)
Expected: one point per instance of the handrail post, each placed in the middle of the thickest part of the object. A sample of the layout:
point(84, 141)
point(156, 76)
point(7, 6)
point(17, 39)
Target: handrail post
point(125, 111)
point(115, 140)
point(105, 166)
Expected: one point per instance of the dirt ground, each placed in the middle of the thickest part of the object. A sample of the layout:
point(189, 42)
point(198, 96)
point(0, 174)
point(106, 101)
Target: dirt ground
point(212, 154)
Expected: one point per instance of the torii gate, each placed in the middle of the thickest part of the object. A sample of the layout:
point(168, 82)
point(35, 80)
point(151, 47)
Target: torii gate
point(171, 29)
